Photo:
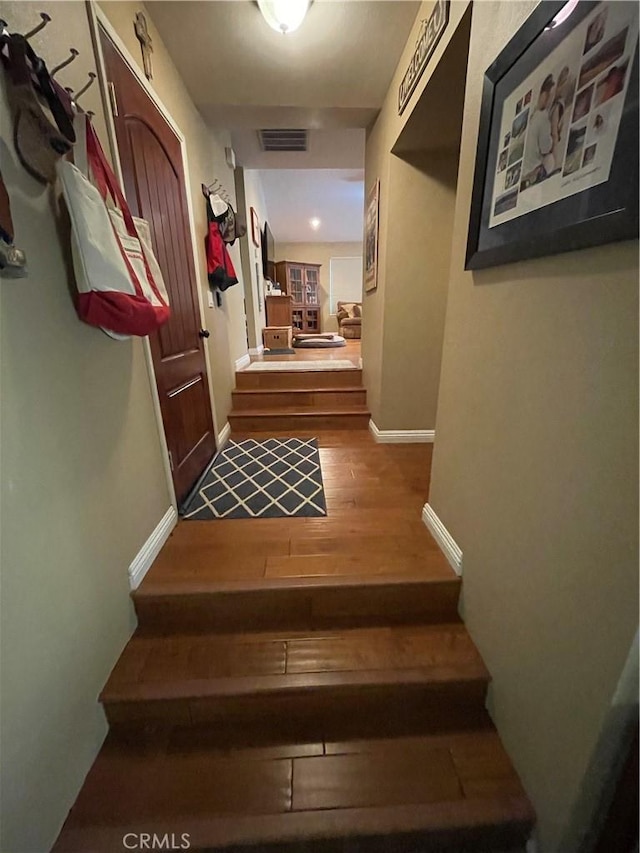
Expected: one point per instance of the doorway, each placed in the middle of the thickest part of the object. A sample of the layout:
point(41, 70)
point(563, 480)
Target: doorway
point(154, 183)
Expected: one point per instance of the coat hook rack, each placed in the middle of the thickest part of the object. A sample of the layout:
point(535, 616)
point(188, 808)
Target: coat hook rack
point(72, 55)
point(217, 189)
point(80, 93)
point(43, 23)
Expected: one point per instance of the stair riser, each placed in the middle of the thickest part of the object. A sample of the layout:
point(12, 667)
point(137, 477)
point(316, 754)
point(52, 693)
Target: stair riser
point(345, 711)
point(300, 399)
point(298, 380)
point(261, 423)
point(300, 609)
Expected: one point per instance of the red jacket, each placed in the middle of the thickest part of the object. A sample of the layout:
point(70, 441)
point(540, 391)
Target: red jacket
point(220, 271)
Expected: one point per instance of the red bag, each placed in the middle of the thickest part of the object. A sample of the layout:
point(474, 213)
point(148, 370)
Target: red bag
point(120, 285)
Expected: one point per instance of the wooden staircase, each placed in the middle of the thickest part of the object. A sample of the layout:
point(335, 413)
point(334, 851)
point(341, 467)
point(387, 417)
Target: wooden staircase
point(299, 399)
point(258, 708)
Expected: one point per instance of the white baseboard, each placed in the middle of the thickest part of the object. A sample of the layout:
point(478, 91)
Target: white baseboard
point(256, 350)
point(151, 548)
point(445, 540)
point(223, 437)
point(243, 362)
point(403, 436)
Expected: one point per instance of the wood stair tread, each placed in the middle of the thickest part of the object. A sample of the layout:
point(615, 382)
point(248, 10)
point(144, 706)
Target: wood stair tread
point(298, 380)
point(447, 790)
point(300, 411)
point(331, 389)
point(245, 664)
point(308, 368)
point(151, 587)
point(201, 602)
point(273, 560)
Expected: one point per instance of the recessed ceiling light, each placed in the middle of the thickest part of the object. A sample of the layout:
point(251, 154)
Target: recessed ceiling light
point(315, 223)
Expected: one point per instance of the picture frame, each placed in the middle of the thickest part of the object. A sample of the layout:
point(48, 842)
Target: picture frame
point(557, 157)
point(371, 230)
point(255, 228)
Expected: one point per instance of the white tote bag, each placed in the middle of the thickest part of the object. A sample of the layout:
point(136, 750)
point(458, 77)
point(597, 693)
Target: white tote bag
point(119, 282)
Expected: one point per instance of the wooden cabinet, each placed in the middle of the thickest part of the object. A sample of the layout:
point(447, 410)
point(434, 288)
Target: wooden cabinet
point(278, 310)
point(302, 283)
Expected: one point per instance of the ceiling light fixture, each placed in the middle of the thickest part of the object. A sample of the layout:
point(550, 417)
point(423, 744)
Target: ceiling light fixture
point(284, 16)
point(315, 223)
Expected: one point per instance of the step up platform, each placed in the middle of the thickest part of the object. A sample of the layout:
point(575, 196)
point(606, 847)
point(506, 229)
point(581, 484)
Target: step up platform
point(283, 603)
point(309, 380)
point(286, 417)
point(299, 398)
point(305, 684)
point(401, 679)
point(432, 793)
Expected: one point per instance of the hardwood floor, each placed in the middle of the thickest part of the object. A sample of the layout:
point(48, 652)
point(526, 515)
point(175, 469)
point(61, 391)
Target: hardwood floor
point(305, 684)
point(350, 351)
point(374, 494)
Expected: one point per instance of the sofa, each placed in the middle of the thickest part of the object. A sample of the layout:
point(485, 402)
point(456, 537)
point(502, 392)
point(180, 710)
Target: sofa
point(349, 315)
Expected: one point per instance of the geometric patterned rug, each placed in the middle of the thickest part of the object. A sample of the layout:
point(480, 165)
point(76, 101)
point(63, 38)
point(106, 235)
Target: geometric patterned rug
point(261, 479)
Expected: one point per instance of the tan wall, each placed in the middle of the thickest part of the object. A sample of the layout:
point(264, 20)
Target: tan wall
point(205, 152)
point(392, 397)
point(535, 465)
point(377, 167)
point(535, 476)
point(83, 487)
point(319, 253)
point(422, 201)
point(252, 195)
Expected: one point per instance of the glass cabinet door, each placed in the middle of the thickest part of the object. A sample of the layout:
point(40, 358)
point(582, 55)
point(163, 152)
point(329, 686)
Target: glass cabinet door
point(295, 284)
point(312, 320)
point(311, 287)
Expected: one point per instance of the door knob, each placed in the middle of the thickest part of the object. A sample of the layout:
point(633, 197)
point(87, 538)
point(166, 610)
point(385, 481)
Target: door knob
point(204, 333)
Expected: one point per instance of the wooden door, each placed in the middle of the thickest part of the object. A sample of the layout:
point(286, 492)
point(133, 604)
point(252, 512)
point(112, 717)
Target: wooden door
point(154, 184)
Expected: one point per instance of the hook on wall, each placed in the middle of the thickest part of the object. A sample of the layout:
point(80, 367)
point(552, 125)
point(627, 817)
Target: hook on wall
point(43, 23)
point(217, 188)
point(80, 93)
point(72, 55)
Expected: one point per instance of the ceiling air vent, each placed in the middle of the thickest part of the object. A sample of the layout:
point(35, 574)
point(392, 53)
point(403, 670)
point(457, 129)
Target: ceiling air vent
point(283, 140)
